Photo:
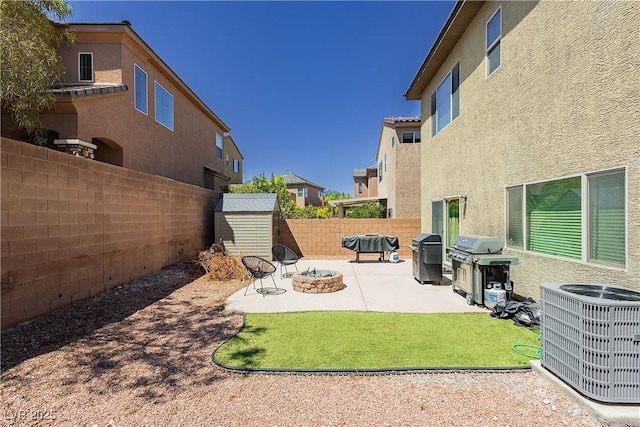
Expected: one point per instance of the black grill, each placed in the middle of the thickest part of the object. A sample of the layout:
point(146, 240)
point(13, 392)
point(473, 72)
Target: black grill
point(427, 258)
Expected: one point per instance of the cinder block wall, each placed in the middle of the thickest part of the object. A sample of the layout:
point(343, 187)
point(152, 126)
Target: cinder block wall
point(323, 237)
point(73, 228)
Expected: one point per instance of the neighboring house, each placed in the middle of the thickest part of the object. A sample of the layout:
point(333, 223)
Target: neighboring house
point(398, 160)
point(530, 126)
point(232, 160)
point(302, 191)
point(365, 182)
point(122, 104)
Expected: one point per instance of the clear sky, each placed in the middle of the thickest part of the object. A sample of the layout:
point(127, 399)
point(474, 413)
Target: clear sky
point(304, 86)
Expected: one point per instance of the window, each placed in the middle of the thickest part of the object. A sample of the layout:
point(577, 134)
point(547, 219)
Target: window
point(445, 101)
point(606, 218)
point(227, 158)
point(515, 238)
point(218, 146)
point(359, 188)
point(380, 171)
point(236, 165)
point(494, 35)
point(164, 106)
point(410, 137)
point(393, 141)
point(140, 89)
point(303, 192)
point(85, 66)
point(319, 194)
point(558, 218)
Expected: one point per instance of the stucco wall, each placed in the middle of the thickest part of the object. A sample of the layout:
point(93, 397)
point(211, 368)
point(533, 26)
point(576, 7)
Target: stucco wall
point(147, 145)
point(72, 228)
point(564, 101)
point(323, 237)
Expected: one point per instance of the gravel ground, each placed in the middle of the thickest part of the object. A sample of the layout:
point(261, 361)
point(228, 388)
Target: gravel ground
point(139, 355)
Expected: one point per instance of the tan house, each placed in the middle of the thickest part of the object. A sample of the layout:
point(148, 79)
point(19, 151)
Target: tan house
point(232, 160)
point(365, 182)
point(530, 126)
point(121, 104)
point(303, 192)
point(398, 160)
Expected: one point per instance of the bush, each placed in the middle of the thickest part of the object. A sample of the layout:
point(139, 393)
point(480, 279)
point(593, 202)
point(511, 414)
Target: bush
point(219, 265)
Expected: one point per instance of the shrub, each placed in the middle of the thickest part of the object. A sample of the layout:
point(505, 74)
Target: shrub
point(219, 265)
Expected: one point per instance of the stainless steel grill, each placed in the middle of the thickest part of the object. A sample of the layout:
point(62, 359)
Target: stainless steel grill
point(427, 258)
point(478, 263)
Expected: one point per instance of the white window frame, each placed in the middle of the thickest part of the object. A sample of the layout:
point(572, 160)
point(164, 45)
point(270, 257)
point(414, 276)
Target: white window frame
point(236, 165)
point(360, 185)
point(156, 84)
point(434, 116)
point(146, 89)
point(585, 235)
point(80, 79)
point(219, 146)
point(497, 41)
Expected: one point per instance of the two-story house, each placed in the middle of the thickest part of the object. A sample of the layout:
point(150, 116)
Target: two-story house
point(232, 160)
point(530, 131)
point(303, 191)
point(365, 182)
point(398, 160)
point(122, 104)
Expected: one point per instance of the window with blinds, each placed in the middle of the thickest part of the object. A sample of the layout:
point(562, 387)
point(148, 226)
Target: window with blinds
point(556, 218)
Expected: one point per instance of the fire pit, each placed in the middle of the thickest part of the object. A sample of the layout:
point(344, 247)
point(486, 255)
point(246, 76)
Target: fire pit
point(315, 281)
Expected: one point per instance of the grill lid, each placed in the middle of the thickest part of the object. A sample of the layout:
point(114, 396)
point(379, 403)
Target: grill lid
point(425, 237)
point(479, 244)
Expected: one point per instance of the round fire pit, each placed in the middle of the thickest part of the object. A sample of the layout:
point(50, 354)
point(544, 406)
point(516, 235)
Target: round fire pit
point(317, 281)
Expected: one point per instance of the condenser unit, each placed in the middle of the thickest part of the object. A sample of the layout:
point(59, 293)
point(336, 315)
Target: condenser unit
point(590, 338)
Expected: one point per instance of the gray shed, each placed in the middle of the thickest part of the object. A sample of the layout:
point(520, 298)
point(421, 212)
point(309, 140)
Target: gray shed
point(247, 223)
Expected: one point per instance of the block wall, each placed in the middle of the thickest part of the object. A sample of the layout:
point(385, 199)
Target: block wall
point(323, 237)
point(72, 228)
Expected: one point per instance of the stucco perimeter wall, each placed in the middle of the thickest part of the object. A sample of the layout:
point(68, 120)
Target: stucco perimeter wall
point(323, 237)
point(73, 228)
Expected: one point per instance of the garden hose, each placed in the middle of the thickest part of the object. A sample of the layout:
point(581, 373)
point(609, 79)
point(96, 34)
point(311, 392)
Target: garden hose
point(516, 347)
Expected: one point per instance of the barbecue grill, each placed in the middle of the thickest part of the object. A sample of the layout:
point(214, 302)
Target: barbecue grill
point(427, 258)
point(478, 264)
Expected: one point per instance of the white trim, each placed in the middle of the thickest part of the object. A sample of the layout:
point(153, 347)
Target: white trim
point(92, 67)
point(70, 141)
point(146, 89)
point(584, 218)
point(155, 82)
point(496, 41)
point(435, 92)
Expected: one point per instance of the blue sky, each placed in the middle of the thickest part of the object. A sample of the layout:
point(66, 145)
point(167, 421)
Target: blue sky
point(304, 86)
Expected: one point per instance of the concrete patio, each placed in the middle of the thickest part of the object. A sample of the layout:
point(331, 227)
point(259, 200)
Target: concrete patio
point(370, 285)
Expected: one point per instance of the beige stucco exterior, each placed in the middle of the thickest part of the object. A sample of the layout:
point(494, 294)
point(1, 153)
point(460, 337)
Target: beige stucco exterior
point(565, 101)
point(124, 135)
point(231, 154)
point(399, 180)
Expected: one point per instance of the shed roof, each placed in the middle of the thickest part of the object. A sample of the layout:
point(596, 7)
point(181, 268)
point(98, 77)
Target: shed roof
point(248, 202)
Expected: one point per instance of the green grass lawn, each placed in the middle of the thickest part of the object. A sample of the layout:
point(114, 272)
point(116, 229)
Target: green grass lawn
point(365, 340)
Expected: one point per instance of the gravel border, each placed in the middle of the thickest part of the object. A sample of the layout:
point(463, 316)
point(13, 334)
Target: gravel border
point(140, 354)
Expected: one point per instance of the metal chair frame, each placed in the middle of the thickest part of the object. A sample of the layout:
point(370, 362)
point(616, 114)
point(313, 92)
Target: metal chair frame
point(259, 268)
point(285, 257)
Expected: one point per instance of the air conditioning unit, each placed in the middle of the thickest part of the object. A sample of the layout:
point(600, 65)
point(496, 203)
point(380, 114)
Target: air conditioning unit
point(590, 338)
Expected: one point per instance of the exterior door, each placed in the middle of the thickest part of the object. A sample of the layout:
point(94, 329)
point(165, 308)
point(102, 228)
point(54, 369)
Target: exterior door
point(437, 222)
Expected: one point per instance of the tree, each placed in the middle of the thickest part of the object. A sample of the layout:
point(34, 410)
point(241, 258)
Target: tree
point(30, 62)
point(275, 184)
point(367, 210)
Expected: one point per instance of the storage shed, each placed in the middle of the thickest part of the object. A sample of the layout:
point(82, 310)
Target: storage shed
point(247, 223)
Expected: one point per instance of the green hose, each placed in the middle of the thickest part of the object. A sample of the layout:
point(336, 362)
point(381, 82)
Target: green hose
point(516, 347)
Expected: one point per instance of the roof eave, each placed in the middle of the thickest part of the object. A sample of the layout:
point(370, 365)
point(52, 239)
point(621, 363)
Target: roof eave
point(464, 11)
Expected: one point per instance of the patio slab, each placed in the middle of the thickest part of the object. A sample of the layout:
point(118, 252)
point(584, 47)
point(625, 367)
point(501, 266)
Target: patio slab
point(369, 286)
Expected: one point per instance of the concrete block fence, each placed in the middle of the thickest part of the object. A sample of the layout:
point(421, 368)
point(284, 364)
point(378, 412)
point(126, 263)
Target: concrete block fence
point(317, 238)
point(72, 227)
